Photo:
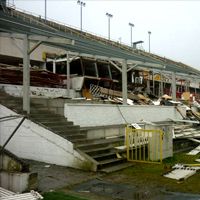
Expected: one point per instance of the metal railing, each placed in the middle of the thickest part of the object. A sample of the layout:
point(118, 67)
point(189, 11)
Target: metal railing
point(31, 18)
point(144, 145)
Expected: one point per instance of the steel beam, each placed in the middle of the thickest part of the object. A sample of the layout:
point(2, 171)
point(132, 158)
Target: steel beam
point(117, 67)
point(51, 39)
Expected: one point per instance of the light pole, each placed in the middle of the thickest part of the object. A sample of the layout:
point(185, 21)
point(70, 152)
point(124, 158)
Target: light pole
point(131, 25)
point(81, 3)
point(45, 9)
point(149, 32)
point(109, 16)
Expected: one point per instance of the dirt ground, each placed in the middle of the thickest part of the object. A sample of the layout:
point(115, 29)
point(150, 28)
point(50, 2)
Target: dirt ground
point(138, 182)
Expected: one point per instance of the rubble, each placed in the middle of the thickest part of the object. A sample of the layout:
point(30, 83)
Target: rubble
point(14, 75)
point(181, 172)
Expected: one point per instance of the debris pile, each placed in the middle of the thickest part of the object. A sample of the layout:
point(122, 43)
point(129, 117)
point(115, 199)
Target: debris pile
point(14, 75)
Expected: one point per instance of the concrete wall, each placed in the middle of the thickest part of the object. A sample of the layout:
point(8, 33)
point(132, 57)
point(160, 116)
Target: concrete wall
point(8, 163)
point(34, 142)
point(18, 182)
point(104, 131)
point(90, 115)
point(9, 47)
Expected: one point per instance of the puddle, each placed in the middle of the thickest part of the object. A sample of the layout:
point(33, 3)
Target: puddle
point(129, 192)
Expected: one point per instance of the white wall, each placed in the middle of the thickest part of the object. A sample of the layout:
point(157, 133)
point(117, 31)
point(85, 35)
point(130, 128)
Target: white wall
point(89, 115)
point(16, 181)
point(9, 47)
point(34, 142)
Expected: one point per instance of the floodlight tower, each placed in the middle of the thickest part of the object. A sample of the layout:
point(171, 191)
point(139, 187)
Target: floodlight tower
point(109, 16)
point(82, 4)
point(131, 25)
point(149, 32)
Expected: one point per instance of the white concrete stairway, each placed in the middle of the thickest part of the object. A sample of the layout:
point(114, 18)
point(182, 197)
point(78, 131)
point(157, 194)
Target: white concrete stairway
point(102, 151)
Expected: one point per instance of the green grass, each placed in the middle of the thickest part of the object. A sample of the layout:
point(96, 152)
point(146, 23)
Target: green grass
point(60, 196)
point(181, 158)
point(153, 174)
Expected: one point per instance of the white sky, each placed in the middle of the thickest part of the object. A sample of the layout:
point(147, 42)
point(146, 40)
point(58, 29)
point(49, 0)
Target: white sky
point(175, 25)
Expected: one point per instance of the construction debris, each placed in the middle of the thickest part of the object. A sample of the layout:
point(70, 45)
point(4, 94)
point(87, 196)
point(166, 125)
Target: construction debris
point(181, 172)
point(194, 151)
point(8, 195)
point(14, 75)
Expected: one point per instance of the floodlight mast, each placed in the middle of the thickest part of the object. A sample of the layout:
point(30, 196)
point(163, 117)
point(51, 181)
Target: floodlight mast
point(149, 32)
point(131, 25)
point(109, 16)
point(82, 4)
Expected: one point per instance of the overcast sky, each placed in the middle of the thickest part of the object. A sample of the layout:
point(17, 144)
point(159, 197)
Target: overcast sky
point(175, 25)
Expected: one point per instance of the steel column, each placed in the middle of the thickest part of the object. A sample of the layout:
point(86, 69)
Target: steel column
point(173, 86)
point(161, 84)
point(68, 75)
point(26, 75)
point(124, 82)
point(54, 66)
point(153, 82)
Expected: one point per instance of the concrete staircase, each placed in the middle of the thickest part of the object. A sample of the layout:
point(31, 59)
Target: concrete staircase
point(100, 151)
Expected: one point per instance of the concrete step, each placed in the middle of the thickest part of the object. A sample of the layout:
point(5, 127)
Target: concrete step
point(63, 122)
point(99, 150)
point(72, 136)
point(69, 131)
point(95, 142)
point(109, 161)
point(49, 119)
point(117, 167)
point(103, 156)
point(45, 115)
point(101, 143)
point(64, 128)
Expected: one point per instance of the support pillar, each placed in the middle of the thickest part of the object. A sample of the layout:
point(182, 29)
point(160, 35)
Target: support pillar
point(54, 66)
point(26, 75)
point(173, 86)
point(161, 84)
point(124, 82)
point(68, 75)
point(153, 83)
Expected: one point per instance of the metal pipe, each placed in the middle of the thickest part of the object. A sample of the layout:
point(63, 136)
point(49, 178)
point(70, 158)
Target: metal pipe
point(10, 137)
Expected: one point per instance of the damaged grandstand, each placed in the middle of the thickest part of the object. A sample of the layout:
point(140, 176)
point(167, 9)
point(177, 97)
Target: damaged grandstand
point(78, 92)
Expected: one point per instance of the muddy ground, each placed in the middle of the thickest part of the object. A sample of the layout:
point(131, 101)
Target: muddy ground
point(137, 182)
